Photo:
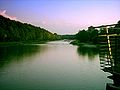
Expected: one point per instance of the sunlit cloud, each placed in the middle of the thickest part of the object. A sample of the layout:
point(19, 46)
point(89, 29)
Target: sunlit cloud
point(43, 22)
point(3, 13)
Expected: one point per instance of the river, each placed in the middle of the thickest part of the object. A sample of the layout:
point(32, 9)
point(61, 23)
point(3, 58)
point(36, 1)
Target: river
point(55, 65)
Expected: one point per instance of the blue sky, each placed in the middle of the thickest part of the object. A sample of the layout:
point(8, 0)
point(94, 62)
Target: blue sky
point(63, 16)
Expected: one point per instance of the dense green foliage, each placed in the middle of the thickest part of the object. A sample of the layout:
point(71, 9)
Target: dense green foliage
point(11, 30)
point(90, 35)
point(70, 37)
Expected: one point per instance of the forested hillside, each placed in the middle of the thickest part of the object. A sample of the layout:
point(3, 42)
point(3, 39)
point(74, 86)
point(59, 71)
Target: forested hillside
point(11, 30)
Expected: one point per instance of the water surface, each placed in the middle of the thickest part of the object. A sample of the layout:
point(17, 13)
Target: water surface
point(53, 66)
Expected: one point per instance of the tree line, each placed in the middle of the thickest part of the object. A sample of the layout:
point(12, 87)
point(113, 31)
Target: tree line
point(11, 30)
point(91, 34)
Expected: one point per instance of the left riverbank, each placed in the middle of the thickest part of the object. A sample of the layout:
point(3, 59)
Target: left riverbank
point(21, 43)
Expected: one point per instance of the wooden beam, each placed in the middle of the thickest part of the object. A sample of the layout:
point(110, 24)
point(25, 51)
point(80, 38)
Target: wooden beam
point(109, 35)
point(104, 26)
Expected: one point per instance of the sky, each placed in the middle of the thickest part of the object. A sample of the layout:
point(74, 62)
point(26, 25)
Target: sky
point(62, 16)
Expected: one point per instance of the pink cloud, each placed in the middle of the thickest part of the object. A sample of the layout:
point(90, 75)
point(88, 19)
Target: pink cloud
point(3, 13)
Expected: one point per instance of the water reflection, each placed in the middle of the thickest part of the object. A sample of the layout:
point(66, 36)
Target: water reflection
point(114, 69)
point(91, 52)
point(17, 53)
point(110, 60)
point(52, 66)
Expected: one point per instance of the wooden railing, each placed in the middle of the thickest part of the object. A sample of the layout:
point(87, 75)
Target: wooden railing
point(109, 53)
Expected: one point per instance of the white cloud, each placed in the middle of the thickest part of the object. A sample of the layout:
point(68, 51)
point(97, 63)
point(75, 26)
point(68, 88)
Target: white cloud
point(3, 13)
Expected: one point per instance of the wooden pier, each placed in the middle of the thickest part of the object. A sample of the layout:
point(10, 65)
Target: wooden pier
point(109, 40)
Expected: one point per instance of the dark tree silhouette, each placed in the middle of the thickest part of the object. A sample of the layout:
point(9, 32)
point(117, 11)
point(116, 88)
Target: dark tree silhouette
point(11, 30)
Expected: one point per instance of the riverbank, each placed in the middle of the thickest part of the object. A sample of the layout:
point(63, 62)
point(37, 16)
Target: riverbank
point(21, 43)
point(87, 44)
